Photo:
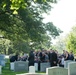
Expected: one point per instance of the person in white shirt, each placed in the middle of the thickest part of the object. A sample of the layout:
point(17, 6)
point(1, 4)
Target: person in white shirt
point(62, 61)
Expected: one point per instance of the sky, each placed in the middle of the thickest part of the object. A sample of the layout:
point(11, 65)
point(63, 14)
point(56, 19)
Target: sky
point(63, 15)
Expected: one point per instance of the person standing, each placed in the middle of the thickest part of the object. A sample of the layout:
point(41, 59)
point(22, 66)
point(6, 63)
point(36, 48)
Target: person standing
point(31, 59)
point(71, 56)
point(14, 58)
point(53, 58)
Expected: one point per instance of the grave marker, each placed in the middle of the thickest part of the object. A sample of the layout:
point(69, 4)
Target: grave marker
point(43, 66)
point(2, 59)
point(67, 62)
point(20, 66)
point(56, 71)
point(72, 68)
point(31, 69)
point(31, 74)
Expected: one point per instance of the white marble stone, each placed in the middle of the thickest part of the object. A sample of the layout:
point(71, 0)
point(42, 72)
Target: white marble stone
point(0, 69)
point(36, 66)
point(72, 68)
point(12, 66)
point(34, 74)
point(31, 69)
point(43, 66)
point(20, 66)
point(56, 71)
point(31, 74)
point(67, 62)
point(20, 74)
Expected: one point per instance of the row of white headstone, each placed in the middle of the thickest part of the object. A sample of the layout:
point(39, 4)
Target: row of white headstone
point(23, 66)
point(71, 70)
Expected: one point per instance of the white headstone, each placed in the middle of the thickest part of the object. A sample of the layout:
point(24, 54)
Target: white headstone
point(2, 59)
point(0, 69)
point(12, 65)
point(20, 74)
point(67, 62)
point(31, 74)
point(34, 74)
point(36, 66)
point(72, 68)
point(20, 66)
point(56, 71)
point(31, 69)
point(43, 66)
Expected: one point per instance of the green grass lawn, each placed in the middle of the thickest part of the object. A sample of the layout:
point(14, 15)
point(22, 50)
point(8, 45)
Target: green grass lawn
point(6, 70)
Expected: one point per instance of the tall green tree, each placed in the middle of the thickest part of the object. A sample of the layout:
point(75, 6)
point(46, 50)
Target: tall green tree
point(71, 40)
point(22, 20)
point(22, 16)
point(60, 44)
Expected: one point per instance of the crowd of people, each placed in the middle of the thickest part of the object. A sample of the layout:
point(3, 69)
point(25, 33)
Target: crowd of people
point(51, 56)
point(41, 56)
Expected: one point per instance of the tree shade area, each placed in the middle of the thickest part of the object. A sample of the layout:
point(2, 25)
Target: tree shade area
point(21, 22)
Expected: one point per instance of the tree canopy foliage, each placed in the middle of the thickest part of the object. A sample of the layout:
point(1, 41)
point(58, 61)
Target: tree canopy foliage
point(60, 44)
point(71, 40)
point(22, 20)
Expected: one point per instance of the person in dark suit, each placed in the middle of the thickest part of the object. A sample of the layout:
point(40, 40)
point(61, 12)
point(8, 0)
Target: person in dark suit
point(31, 59)
point(43, 57)
point(14, 58)
point(53, 59)
point(50, 57)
